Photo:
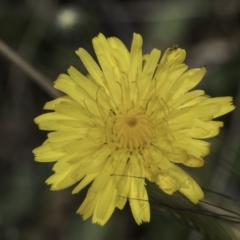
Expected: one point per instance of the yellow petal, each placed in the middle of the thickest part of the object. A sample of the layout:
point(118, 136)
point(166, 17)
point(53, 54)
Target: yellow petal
point(135, 57)
point(192, 191)
point(45, 154)
point(105, 204)
point(168, 184)
point(91, 66)
point(187, 81)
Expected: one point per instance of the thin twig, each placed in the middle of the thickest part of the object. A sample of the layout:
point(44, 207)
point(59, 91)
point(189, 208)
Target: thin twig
point(39, 78)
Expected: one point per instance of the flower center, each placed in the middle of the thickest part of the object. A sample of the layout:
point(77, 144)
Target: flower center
point(132, 122)
point(133, 130)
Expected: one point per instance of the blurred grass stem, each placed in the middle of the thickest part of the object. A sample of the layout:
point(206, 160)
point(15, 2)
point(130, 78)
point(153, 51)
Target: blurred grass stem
point(28, 70)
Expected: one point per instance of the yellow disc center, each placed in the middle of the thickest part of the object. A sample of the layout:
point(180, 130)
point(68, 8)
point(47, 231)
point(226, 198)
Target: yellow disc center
point(133, 130)
point(132, 122)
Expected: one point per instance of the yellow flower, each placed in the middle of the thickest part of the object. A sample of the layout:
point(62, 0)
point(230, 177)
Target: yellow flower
point(132, 118)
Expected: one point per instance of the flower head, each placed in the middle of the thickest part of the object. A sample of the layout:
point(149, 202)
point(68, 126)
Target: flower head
point(130, 119)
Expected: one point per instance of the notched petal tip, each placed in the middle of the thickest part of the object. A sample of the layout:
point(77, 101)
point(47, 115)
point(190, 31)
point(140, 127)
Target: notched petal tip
point(80, 51)
point(137, 41)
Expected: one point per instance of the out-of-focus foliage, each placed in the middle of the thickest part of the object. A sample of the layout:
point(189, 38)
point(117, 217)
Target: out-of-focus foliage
point(46, 34)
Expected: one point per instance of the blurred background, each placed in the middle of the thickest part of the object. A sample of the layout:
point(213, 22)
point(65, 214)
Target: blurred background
point(42, 37)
